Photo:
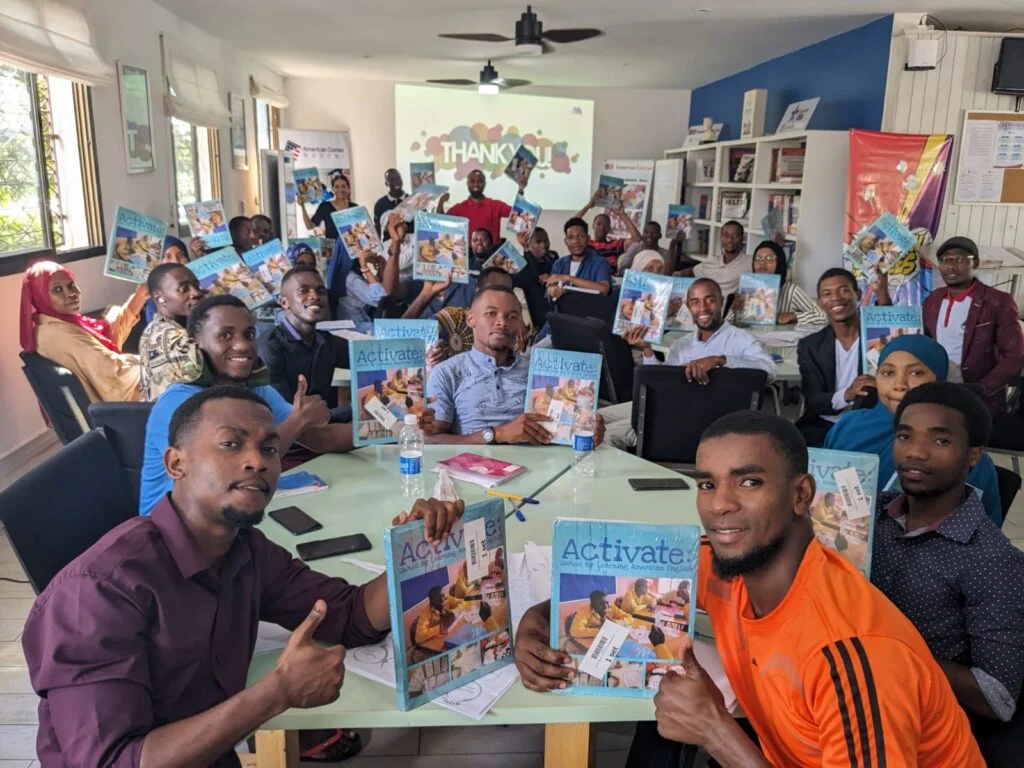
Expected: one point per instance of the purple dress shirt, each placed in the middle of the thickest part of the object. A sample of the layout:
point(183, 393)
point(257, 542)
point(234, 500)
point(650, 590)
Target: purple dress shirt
point(139, 632)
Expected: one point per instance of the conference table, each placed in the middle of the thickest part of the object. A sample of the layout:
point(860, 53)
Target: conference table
point(363, 496)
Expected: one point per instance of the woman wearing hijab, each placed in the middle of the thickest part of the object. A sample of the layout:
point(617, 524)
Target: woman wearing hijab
point(301, 255)
point(906, 362)
point(53, 326)
point(175, 252)
point(795, 306)
point(649, 261)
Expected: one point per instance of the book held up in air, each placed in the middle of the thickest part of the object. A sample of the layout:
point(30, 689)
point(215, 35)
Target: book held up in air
point(269, 263)
point(643, 301)
point(507, 257)
point(424, 198)
point(310, 187)
point(843, 510)
point(524, 216)
point(564, 386)
point(207, 220)
point(758, 299)
point(135, 245)
point(623, 597)
point(880, 325)
point(389, 380)
point(450, 618)
point(358, 234)
point(480, 470)
point(610, 191)
point(390, 328)
point(224, 273)
point(680, 218)
point(441, 247)
point(880, 245)
point(679, 317)
point(521, 166)
point(420, 174)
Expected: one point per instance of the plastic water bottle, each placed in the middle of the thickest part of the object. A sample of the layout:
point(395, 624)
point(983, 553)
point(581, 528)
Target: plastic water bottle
point(410, 448)
point(583, 444)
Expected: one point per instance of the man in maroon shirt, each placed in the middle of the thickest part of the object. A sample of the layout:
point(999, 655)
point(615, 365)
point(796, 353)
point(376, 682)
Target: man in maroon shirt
point(140, 647)
point(607, 247)
point(482, 212)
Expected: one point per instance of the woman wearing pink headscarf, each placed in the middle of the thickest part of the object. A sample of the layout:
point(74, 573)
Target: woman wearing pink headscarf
point(53, 326)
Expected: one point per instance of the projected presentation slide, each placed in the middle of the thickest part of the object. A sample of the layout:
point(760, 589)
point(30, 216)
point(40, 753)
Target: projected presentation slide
point(461, 131)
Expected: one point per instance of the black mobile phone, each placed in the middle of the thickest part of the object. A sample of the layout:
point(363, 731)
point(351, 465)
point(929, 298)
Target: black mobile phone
point(658, 484)
point(343, 545)
point(295, 520)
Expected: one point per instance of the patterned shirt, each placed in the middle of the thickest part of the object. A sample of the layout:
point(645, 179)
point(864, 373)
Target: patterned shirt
point(168, 356)
point(962, 585)
point(473, 393)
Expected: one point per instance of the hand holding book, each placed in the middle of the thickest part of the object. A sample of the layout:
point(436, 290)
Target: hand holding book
point(438, 517)
point(541, 667)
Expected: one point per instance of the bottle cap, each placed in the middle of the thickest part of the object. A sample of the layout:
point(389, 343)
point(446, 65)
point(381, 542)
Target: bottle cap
point(411, 420)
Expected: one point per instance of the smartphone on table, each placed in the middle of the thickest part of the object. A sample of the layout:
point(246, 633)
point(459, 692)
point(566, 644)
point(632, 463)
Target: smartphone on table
point(295, 520)
point(658, 484)
point(343, 545)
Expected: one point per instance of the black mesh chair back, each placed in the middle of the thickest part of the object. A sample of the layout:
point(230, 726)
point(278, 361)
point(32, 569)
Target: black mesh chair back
point(124, 424)
point(60, 394)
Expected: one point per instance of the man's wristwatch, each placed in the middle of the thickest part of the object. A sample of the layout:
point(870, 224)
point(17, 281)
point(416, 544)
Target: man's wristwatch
point(488, 436)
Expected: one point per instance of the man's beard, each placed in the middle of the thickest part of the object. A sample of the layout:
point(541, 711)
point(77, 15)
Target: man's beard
point(730, 568)
point(476, 194)
point(504, 346)
point(241, 519)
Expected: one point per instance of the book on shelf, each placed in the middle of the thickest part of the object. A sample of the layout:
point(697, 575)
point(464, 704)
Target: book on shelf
point(757, 299)
point(359, 237)
point(480, 470)
point(441, 248)
point(389, 380)
point(794, 215)
point(702, 207)
point(679, 317)
point(754, 104)
point(680, 218)
point(610, 189)
point(880, 325)
point(741, 165)
point(564, 386)
point(643, 301)
point(703, 242)
point(705, 170)
point(789, 164)
point(135, 245)
point(508, 257)
point(843, 509)
point(623, 601)
point(423, 198)
point(450, 618)
point(310, 187)
point(772, 223)
point(733, 206)
point(298, 483)
point(420, 174)
point(269, 263)
point(885, 241)
point(206, 219)
point(224, 273)
point(521, 166)
point(524, 217)
point(393, 328)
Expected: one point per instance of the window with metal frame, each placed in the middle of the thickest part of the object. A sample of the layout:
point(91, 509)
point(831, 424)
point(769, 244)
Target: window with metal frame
point(196, 155)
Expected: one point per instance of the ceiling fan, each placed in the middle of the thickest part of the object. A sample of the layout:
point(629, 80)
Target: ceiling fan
point(531, 39)
point(489, 82)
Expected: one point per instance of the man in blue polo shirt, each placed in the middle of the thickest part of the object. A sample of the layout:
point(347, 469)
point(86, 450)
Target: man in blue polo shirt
point(582, 268)
point(479, 396)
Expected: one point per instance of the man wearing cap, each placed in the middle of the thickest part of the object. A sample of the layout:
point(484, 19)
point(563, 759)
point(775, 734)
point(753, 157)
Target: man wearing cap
point(977, 324)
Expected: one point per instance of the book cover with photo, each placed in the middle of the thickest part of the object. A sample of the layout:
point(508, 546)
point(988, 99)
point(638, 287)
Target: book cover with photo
point(507, 257)
point(386, 328)
point(269, 263)
point(207, 220)
point(884, 242)
point(358, 234)
point(564, 386)
point(843, 516)
point(524, 217)
point(450, 618)
point(680, 219)
point(441, 246)
point(610, 189)
point(420, 174)
point(733, 206)
point(389, 380)
point(424, 198)
point(309, 186)
point(135, 245)
point(880, 325)
point(643, 300)
point(679, 317)
point(758, 299)
point(521, 166)
point(223, 273)
point(640, 576)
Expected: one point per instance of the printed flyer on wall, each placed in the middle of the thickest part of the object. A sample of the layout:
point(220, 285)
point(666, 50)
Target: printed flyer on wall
point(135, 245)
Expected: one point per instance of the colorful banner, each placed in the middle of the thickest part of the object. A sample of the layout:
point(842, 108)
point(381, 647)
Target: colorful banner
point(904, 174)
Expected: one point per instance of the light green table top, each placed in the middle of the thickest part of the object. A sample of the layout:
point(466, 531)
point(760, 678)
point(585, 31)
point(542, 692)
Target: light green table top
point(364, 496)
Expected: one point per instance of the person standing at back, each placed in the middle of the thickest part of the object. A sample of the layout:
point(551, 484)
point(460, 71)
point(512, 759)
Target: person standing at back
point(390, 201)
point(322, 215)
point(482, 212)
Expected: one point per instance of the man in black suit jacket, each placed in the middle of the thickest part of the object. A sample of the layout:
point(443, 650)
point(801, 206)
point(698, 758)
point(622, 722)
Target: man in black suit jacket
point(831, 376)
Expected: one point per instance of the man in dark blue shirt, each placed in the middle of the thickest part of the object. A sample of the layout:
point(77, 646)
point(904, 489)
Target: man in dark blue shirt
point(582, 268)
point(949, 569)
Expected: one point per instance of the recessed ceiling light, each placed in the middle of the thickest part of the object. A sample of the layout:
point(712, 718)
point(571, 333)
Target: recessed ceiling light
point(488, 89)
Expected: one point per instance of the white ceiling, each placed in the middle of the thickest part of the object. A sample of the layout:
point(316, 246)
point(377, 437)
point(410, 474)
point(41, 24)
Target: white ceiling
point(648, 43)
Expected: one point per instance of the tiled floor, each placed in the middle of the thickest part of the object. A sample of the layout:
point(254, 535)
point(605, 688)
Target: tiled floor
point(504, 746)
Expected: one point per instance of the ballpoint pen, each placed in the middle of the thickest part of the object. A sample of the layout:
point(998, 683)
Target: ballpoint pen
point(513, 497)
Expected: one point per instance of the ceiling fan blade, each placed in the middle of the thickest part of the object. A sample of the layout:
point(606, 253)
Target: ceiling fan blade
point(512, 83)
point(461, 81)
point(483, 37)
point(571, 35)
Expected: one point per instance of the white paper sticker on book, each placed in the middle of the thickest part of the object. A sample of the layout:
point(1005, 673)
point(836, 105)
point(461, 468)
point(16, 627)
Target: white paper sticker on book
point(477, 557)
point(380, 412)
point(555, 408)
point(604, 648)
point(855, 501)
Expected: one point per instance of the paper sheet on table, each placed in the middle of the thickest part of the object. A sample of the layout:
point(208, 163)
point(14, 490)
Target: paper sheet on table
point(376, 568)
point(707, 657)
point(474, 699)
point(519, 596)
point(775, 338)
point(538, 566)
point(270, 637)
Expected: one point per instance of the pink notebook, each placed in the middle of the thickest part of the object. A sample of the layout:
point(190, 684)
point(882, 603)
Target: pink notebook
point(481, 470)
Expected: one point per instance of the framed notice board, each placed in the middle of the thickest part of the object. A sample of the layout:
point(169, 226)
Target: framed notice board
point(991, 169)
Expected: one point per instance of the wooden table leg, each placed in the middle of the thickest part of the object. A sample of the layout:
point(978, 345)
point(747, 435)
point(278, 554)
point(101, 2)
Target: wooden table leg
point(277, 749)
point(569, 745)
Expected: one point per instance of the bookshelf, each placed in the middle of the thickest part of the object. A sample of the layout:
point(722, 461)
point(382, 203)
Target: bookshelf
point(818, 239)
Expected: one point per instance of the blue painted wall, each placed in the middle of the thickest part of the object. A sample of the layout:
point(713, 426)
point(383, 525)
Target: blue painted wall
point(847, 71)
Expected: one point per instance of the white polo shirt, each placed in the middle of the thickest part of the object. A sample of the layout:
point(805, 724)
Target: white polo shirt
point(949, 329)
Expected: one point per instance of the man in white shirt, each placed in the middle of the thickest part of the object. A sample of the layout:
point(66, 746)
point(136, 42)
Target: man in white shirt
point(733, 264)
point(716, 344)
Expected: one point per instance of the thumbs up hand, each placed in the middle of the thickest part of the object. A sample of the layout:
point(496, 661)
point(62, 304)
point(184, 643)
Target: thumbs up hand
point(310, 675)
point(311, 410)
point(689, 707)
